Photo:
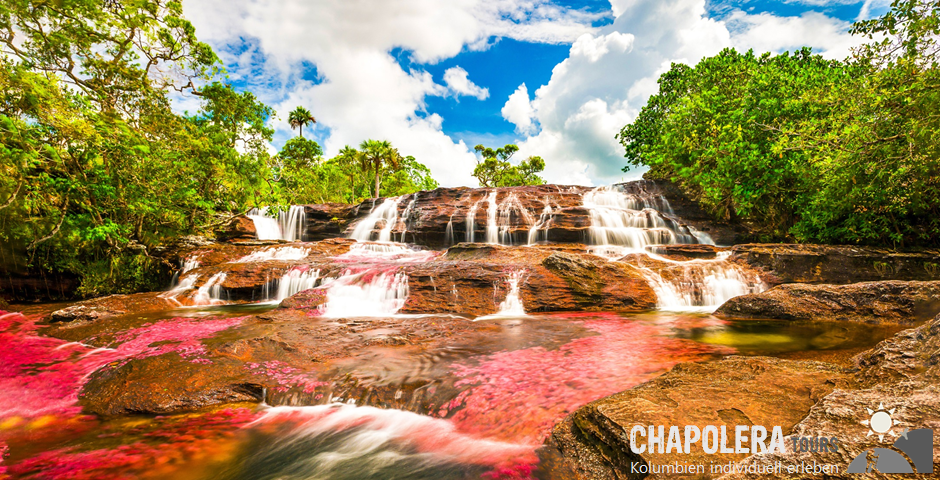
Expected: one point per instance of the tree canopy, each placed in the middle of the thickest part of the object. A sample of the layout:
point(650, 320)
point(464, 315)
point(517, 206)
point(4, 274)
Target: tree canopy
point(804, 148)
point(495, 170)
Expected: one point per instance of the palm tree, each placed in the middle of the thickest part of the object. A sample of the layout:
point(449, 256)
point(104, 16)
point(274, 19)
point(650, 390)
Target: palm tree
point(377, 154)
point(300, 117)
point(349, 159)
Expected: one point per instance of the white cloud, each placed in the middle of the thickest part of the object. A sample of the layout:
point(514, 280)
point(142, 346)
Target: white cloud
point(362, 90)
point(519, 111)
point(458, 82)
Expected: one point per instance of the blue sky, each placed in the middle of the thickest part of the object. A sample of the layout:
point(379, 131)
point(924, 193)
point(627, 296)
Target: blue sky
point(437, 77)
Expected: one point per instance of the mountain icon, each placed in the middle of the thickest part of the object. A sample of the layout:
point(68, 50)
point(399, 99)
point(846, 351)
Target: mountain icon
point(916, 444)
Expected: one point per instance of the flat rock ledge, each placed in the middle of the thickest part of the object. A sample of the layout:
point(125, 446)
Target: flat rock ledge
point(892, 301)
point(733, 391)
point(807, 399)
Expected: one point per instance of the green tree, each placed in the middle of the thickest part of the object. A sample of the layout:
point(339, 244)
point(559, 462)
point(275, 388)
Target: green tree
point(495, 170)
point(299, 117)
point(379, 155)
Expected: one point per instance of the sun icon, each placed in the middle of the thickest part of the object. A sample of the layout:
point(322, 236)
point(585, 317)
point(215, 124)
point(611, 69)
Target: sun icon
point(880, 422)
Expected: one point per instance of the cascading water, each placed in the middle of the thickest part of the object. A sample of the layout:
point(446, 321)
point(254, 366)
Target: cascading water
point(512, 305)
point(539, 231)
point(385, 252)
point(406, 216)
point(631, 221)
point(210, 293)
point(449, 232)
point(492, 230)
point(279, 253)
point(295, 281)
point(471, 223)
point(185, 284)
point(289, 224)
point(624, 223)
point(365, 294)
point(387, 212)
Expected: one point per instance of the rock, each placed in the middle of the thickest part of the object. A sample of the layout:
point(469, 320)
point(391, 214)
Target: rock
point(901, 375)
point(327, 220)
point(686, 252)
point(472, 279)
point(424, 216)
point(888, 301)
point(834, 264)
point(239, 228)
point(148, 386)
point(732, 391)
point(82, 313)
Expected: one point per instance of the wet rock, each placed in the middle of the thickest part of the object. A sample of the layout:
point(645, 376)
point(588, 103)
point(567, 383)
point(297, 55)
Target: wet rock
point(688, 210)
point(791, 263)
point(472, 279)
point(732, 391)
point(166, 384)
point(686, 252)
point(239, 228)
point(107, 307)
point(327, 220)
point(900, 375)
point(888, 301)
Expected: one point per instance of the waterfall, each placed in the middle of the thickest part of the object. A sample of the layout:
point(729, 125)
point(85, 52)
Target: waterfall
point(449, 232)
point(539, 230)
point(387, 212)
point(279, 253)
point(210, 293)
point(295, 281)
point(512, 305)
point(406, 216)
point(185, 284)
point(631, 221)
point(701, 285)
point(289, 224)
point(366, 294)
point(471, 222)
point(492, 230)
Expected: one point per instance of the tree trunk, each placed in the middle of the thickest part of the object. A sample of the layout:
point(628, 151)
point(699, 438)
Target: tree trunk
point(301, 130)
point(376, 180)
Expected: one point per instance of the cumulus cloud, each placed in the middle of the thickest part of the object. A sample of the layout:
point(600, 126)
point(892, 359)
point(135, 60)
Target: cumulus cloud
point(340, 59)
point(458, 82)
point(519, 111)
point(361, 90)
point(610, 74)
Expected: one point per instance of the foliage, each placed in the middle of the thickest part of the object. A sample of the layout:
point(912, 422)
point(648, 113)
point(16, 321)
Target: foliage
point(805, 148)
point(299, 118)
point(97, 168)
point(496, 171)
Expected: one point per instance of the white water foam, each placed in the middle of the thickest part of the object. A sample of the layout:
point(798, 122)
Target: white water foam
point(365, 294)
point(539, 231)
point(295, 281)
point(210, 293)
point(278, 253)
point(185, 284)
point(287, 225)
point(511, 306)
point(386, 252)
point(702, 285)
point(386, 212)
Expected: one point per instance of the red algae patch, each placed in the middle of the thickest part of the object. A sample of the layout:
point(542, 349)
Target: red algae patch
point(43, 376)
point(519, 395)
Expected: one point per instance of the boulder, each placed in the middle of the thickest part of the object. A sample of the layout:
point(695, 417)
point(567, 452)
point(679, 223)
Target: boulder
point(594, 440)
point(238, 228)
point(888, 301)
point(327, 220)
point(686, 252)
point(834, 264)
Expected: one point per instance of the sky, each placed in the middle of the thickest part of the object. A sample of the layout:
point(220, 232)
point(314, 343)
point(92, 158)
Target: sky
point(559, 78)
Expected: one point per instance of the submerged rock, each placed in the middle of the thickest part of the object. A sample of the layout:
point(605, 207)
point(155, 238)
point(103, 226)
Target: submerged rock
point(792, 263)
point(763, 391)
point(888, 301)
